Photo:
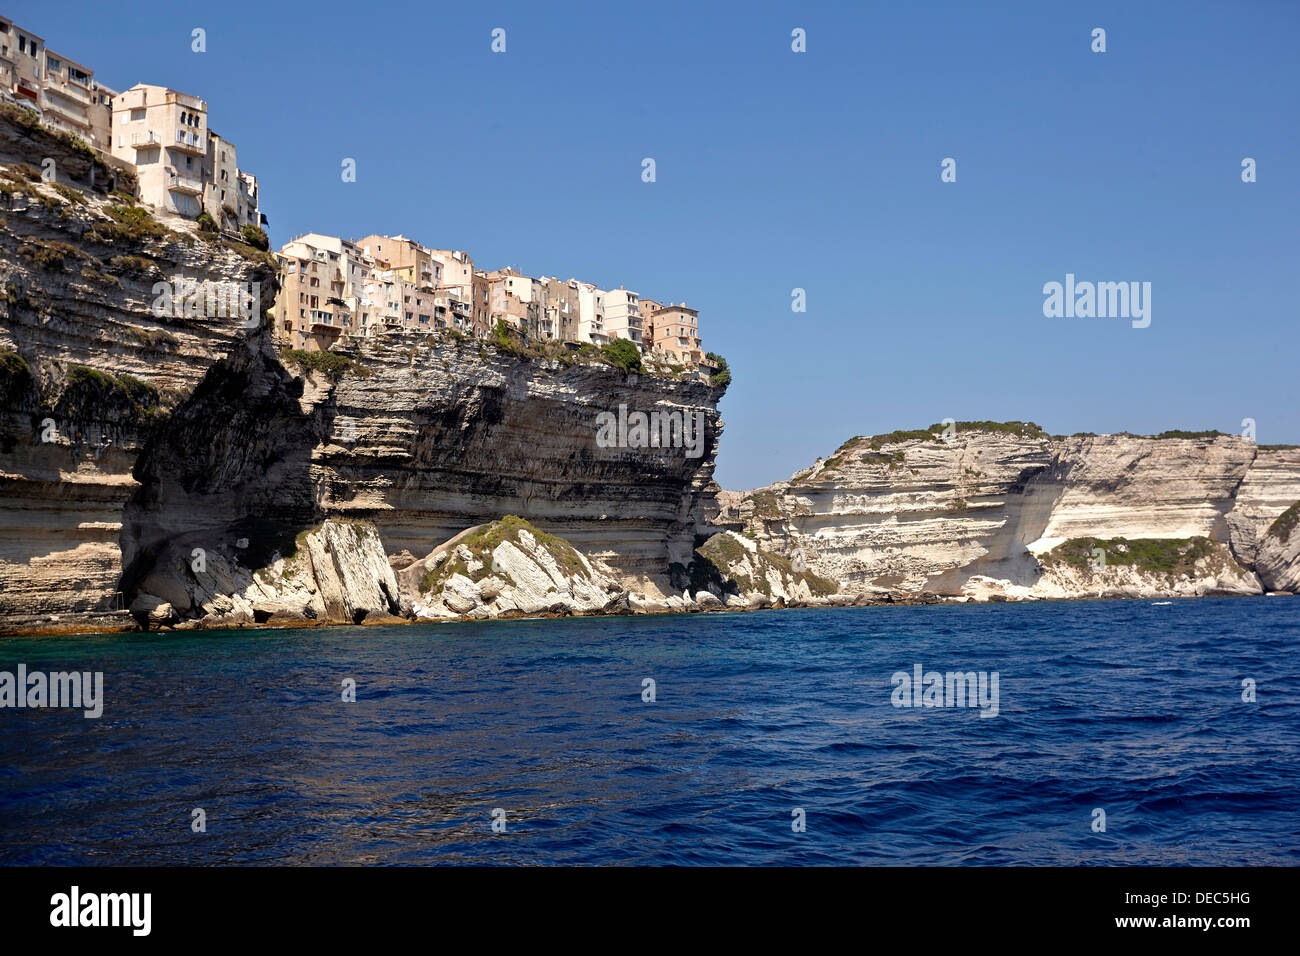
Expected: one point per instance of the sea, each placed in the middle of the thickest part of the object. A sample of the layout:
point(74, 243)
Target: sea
point(1095, 733)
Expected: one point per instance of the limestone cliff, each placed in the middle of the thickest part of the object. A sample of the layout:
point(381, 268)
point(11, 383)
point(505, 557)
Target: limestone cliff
point(87, 365)
point(1278, 555)
point(335, 573)
point(509, 568)
point(970, 513)
point(131, 435)
point(423, 437)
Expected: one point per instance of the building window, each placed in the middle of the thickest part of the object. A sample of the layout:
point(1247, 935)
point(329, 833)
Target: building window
point(137, 116)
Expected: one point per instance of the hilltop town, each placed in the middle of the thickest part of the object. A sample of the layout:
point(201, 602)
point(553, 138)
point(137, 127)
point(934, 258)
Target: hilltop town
point(331, 288)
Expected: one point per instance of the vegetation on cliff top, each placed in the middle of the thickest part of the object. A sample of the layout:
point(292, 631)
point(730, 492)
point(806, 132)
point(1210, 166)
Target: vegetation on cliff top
point(623, 354)
point(255, 237)
point(1181, 433)
point(721, 376)
point(935, 433)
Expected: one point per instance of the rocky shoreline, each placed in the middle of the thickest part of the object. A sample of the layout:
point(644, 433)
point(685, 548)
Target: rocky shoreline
point(121, 622)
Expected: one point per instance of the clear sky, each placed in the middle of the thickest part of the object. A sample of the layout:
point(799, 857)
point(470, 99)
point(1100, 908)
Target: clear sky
point(819, 170)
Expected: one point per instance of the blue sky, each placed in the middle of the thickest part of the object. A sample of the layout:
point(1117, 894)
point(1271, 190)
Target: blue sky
point(820, 171)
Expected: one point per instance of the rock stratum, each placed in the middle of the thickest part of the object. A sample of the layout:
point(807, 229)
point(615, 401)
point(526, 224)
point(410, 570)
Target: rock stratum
point(989, 510)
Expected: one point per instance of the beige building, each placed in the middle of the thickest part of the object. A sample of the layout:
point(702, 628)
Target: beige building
point(458, 287)
point(648, 307)
point(561, 308)
point(62, 91)
point(481, 304)
point(623, 315)
point(229, 193)
point(516, 300)
point(405, 257)
point(182, 166)
point(676, 332)
point(324, 286)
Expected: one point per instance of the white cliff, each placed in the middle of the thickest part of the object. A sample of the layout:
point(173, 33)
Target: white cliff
point(976, 511)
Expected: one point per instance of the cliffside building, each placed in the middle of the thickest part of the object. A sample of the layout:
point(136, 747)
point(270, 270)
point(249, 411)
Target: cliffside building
point(623, 315)
point(61, 91)
point(183, 167)
point(323, 292)
point(675, 331)
point(591, 314)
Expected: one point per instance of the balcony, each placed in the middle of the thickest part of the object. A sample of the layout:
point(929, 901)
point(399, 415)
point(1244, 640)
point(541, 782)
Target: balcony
point(189, 102)
point(145, 140)
point(321, 319)
point(69, 112)
point(183, 184)
point(72, 90)
point(190, 142)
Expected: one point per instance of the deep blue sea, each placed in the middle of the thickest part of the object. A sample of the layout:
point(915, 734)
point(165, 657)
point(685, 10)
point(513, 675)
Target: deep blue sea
point(1124, 706)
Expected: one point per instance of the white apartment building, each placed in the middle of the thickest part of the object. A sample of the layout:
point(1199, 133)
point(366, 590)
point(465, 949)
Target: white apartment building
point(182, 166)
point(623, 315)
point(591, 313)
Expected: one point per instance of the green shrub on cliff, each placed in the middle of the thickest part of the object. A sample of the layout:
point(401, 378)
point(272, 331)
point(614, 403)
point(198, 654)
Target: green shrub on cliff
point(721, 376)
point(765, 504)
point(23, 172)
point(719, 558)
point(1285, 523)
point(94, 394)
point(1160, 555)
point(255, 237)
point(73, 196)
point(1180, 433)
point(330, 364)
point(623, 354)
point(206, 222)
point(15, 377)
point(140, 265)
point(483, 542)
point(251, 253)
point(509, 341)
point(46, 257)
point(129, 224)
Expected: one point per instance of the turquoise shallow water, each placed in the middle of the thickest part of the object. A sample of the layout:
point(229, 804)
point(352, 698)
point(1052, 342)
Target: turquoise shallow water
point(1120, 705)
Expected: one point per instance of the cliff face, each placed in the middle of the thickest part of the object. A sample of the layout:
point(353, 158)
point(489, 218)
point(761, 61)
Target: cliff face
point(971, 515)
point(1278, 553)
point(131, 436)
point(86, 367)
point(422, 437)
